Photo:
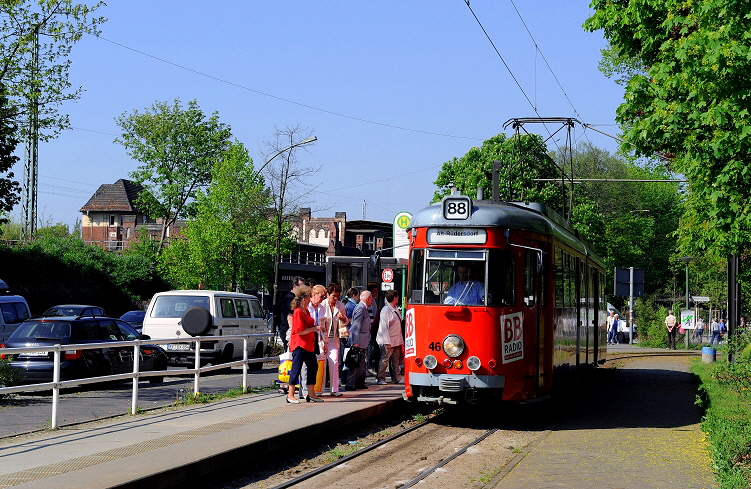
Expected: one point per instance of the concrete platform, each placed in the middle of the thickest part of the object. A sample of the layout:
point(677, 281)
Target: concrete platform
point(175, 447)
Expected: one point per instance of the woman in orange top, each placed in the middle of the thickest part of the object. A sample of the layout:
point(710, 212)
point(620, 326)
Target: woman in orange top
point(302, 346)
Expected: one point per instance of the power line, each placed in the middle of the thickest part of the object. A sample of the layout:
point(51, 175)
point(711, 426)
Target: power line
point(537, 47)
point(534, 108)
point(300, 104)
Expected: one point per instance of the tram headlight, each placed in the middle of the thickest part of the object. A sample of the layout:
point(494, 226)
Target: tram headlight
point(473, 363)
point(453, 345)
point(430, 362)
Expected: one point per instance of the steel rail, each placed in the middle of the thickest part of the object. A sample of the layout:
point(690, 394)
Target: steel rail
point(347, 458)
point(448, 459)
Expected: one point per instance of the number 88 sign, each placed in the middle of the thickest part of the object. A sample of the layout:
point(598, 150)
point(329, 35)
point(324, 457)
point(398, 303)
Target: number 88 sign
point(457, 207)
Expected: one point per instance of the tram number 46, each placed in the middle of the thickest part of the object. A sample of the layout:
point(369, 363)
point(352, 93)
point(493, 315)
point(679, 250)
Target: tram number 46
point(435, 346)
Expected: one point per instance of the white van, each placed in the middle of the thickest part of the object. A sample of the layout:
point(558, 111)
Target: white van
point(13, 311)
point(186, 313)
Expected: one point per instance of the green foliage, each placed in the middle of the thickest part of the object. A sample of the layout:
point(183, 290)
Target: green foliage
point(8, 375)
point(726, 423)
point(178, 148)
point(522, 158)
point(691, 105)
point(9, 188)
point(57, 270)
point(628, 224)
point(231, 240)
point(61, 24)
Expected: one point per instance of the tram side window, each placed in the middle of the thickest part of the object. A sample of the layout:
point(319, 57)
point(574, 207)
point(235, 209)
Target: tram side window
point(416, 275)
point(559, 274)
point(501, 282)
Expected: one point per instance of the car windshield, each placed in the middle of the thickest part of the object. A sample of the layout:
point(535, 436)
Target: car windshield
point(174, 306)
point(42, 330)
point(135, 316)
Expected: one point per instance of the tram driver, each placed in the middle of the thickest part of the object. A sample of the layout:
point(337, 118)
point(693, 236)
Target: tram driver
point(465, 291)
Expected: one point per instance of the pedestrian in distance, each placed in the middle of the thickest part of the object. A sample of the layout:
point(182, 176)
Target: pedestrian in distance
point(359, 336)
point(699, 330)
point(613, 328)
point(302, 344)
point(671, 323)
point(336, 321)
point(715, 330)
point(390, 339)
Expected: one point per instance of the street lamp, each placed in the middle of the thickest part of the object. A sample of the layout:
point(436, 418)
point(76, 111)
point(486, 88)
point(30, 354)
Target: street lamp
point(300, 143)
point(278, 237)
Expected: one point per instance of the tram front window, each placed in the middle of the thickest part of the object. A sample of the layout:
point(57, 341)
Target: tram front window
point(460, 277)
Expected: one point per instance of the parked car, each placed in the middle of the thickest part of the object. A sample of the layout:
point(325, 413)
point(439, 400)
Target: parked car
point(186, 313)
point(13, 311)
point(134, 318)
point(37, 367)
point(73, 310)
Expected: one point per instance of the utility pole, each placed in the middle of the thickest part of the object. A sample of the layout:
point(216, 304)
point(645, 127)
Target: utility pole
point(31, 163)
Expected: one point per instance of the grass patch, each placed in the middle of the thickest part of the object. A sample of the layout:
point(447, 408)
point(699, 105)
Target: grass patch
point(726, 423)
point(199, 398)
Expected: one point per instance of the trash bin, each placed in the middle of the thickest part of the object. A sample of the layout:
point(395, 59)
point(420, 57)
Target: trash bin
point(708, 354)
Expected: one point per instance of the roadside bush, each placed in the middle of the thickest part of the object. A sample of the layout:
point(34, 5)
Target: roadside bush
point(651, 321)
point(726, 423)
point(8, 375)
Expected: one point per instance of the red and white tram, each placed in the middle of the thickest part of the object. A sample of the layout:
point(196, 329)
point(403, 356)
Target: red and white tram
point(503, 300)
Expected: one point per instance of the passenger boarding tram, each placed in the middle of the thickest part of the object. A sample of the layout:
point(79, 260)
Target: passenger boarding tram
point(504, 301)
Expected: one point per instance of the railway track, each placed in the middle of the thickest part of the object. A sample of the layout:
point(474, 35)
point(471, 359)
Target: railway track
point(439, 451)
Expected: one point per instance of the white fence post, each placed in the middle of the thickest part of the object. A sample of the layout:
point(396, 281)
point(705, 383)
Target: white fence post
point(136, 370)
point(197, 375)
point(245, 365)
point(56, 388)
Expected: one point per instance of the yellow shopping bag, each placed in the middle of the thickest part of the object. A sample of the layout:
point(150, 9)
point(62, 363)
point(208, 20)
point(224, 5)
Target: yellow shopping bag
point(319, 375)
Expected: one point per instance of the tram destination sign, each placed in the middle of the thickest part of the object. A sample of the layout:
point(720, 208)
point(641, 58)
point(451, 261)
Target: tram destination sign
point(457, 236)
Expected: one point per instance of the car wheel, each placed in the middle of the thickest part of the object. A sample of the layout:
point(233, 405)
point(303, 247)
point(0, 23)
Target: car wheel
point(159, 364)
point(258, 353)
point(196, 320)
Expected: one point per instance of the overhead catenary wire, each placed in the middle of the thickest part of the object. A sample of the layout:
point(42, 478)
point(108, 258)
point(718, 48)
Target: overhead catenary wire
point(300, 104)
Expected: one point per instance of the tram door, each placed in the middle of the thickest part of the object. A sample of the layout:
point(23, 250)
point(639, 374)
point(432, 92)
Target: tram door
point(534, 283)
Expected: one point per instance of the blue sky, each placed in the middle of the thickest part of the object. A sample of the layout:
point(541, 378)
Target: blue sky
point(392, 89)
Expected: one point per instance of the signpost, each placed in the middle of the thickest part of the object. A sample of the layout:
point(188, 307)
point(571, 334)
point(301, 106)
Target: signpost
point(387, 275)
point(630, 282)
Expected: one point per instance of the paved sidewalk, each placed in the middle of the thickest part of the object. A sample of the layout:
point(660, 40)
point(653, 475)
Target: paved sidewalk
point(638, 430)
point(174, 448)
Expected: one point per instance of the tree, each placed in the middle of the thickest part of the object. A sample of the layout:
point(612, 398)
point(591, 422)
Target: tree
point(58, 25)
point(231, 239)
point(523, 158)
point(691, 105)
point(9, 189)
point(285, 177)
point(177, 148)
point(628, 224)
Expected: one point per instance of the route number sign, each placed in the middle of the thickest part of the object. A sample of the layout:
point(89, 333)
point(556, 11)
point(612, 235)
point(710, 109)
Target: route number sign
point(457, 207)
point(387, 275)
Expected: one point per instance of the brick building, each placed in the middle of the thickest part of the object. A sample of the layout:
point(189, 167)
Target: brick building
point(111, 216)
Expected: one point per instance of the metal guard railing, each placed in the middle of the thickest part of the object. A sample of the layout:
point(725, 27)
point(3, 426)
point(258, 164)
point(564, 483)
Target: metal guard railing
point(136, 374)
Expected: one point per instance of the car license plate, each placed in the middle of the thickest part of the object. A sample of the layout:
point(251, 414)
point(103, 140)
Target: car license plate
point(178, 346)
point(33, 354)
